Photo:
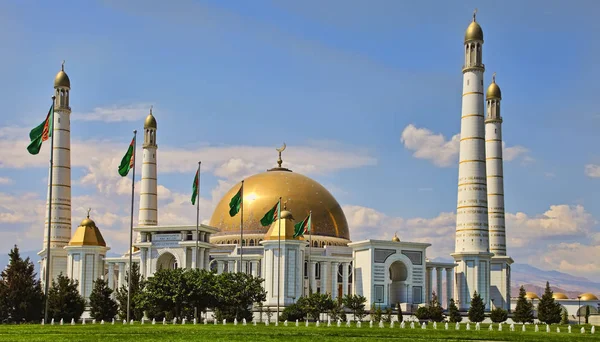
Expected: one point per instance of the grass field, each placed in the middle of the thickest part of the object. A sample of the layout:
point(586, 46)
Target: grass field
point(249, 333)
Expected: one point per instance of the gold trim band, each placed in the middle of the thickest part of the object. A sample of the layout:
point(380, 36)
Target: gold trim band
point(148, 193)
point(495, 176)
point(61, 129)
point(470, 115)
point(151, 209)
point(493, 158)
point(472, 206)
point(472, 138)
point(62, 148)
point(63, 167)
point(149, 163)
point(151, 178)
point(473, 93)
point(493, 140)
point(495, 194)
point(471, 161)
point(463, 184)
point(65, 186)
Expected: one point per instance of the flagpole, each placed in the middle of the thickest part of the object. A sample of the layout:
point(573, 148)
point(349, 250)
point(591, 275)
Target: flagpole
point(47, 284)
point(310, 253)
point(279, 258)
point(131, 230)
point(197, 213)
point(242, 230)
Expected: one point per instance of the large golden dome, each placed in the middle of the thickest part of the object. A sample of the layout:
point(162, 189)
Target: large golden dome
point(302, 194)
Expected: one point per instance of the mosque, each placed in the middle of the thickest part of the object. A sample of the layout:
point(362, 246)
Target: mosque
point(386, 272)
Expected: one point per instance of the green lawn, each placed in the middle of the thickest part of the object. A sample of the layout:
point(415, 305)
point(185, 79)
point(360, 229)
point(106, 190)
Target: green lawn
point(250, 333)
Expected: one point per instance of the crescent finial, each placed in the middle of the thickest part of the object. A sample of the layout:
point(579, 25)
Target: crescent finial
point(474, 14)
point(62, 66)
point(88, 214)
point(281, 149)
point(494, 78)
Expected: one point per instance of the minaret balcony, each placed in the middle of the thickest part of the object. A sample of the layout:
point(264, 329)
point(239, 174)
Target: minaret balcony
point(480, 67)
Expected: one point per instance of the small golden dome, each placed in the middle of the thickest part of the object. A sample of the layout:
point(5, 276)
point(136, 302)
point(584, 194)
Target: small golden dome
point(87, 234)
point(588, 296)
point(61, 79)
point(396, 238)
point(559, 295)
point(286, 215)
point(493, 91)
point(287, 228)
point(134, 249)
point(474, 31)
point(150, 121)
point(531, 295)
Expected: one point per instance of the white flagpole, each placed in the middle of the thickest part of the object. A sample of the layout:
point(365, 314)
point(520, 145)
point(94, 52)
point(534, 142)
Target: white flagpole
point(279, 258)
point(131, 229)
point(47, 284)
point(198, 214)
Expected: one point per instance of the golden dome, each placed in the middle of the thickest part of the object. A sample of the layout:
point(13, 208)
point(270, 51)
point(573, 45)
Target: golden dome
point(559, 295)
point(493, 91)
point(531, 295)
point(61, 79)
point(588, 296)
point(396, 238)
point(150, 121)
point(302, 194)
point(87, 234)
point(474, 31)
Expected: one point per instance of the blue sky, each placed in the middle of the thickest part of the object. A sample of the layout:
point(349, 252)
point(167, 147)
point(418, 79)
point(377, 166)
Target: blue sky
point(341, 82)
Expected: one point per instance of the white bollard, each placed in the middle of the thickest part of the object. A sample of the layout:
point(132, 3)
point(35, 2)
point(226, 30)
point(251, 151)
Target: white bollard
point(113, 322)
point(72, 321)
point(512, 327)
point(254, 323)
point(306, 323)
point(214, 321)
point(102, 322)
point(468, 326)
point(582, 330)
point(523, 327)
point(277, 322)
point(267, 323)
point(153, 321)
point(183, 321)
point(124, 322)
point(142, 320)
point(195, 321)
point(244, 321)
point(328, 321)
point(477, 326)
point(296, 322)
point(42, 321)
point(370, 324)
point(457, 326)
point(491, 327)
point(83, 321)
point(131, 322)
point(569, 329)
point(348, 323)
point(318, 323)
point(381, 324)
point(557, 329)
point(423, 326)
point(61, 321)
point(593, 330)
point(547, 328)
point(412, 325)
point(285, 323)
point(392, 324)
point(339, 323)
point(52, 322)
point(446, 325)
point(224, 322)
point(435, 325)
point(536, 328)
point(500, 327)
point(359, 324)
point(235, 321)
point(164, 321)
point(175, 320)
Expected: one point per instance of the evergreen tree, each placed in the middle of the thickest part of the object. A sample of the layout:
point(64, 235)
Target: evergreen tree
point(64, 300)
point(477, 310)
point(137, 284)
point(102, 306)
point(436, 313)
point(453, 313)
point(21, 296)
point(565, 317)
point(524, 310)
point(548, 310)
point(356, 304)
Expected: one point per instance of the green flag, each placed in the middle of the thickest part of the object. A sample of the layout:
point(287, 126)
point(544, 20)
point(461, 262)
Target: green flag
point(271, 215)
point(303, 227)
point(236, 203)
point(127, 161)
point(195, 188)
point(41, 133)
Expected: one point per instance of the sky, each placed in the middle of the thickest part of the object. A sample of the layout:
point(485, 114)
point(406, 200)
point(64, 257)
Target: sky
point(366, 95)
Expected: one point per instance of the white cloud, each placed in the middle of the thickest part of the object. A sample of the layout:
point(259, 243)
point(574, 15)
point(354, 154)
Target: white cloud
point(592, 170)
point(444, 153)
point(132, 112)
point(5, 181)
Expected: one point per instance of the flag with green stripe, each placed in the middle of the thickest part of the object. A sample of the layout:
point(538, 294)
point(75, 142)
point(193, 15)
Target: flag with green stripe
point(127, 161)
point(303, 227)
point(195, 188)
point(271, 215)
point(41, 133)
point(236, 203)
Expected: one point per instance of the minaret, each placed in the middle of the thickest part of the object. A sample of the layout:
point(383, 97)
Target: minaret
point(471, 251)
point(500, 264)
point(60, 227)
point(148, 194)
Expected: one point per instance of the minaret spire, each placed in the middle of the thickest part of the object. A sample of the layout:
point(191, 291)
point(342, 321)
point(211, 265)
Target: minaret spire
point(471, 251)
point(148, 215)
point(475, 15)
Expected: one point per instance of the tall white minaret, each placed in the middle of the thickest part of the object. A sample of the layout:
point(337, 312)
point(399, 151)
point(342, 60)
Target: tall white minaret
point(60, 227)
point(472, 252)
point(500, 264)
point(148, 193)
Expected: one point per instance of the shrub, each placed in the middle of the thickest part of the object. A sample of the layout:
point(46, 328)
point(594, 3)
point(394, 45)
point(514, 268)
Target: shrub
point(292, 313)
point(498, 315)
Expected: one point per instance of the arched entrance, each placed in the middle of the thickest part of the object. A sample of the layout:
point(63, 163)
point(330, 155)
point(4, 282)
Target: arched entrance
point(166, 261)
point(398, 273)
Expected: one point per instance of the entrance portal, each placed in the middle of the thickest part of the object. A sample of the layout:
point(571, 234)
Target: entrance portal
point(166, 261)
point(398, 285)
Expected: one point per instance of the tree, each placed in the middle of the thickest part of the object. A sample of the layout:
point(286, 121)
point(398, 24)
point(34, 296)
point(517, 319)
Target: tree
point(356, 304)
point(399, 308)
point(549, 311)
point(564, 317)
point(477, 310)
point(64, 300)
point(436, 313)
point(234, 295)
point(102, 306)
point(587, 314)
point(201, 284)
point(165, 295)
point(337, 311)
point(292, 313)
point(315, 304)
point(137, 284)
point(524, 310)
point(453, 313)
point(498, 315)
point(422, 313)
point(20, 292)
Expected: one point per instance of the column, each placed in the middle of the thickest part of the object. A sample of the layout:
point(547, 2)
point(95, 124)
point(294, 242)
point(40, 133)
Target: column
point(200, 261)
point(231, 266)
point(220, 266)
point(313, 276)
point(335, 266)
point(254, 267)
point(438, 281)
point(195, 256)
point(325, 277)
point(345, 266)
point(143, 252)
point(206, 258)
point(111, 275)
point(121, 275)
point(149, 263)
point(184, 259)
point(449, 282)
point(428, 285)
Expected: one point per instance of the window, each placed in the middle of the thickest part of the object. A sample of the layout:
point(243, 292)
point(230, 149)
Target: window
point(378, 293)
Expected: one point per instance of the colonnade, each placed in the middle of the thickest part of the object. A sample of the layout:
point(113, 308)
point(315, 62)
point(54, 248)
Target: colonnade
point(329, 269)
point(438, 289)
